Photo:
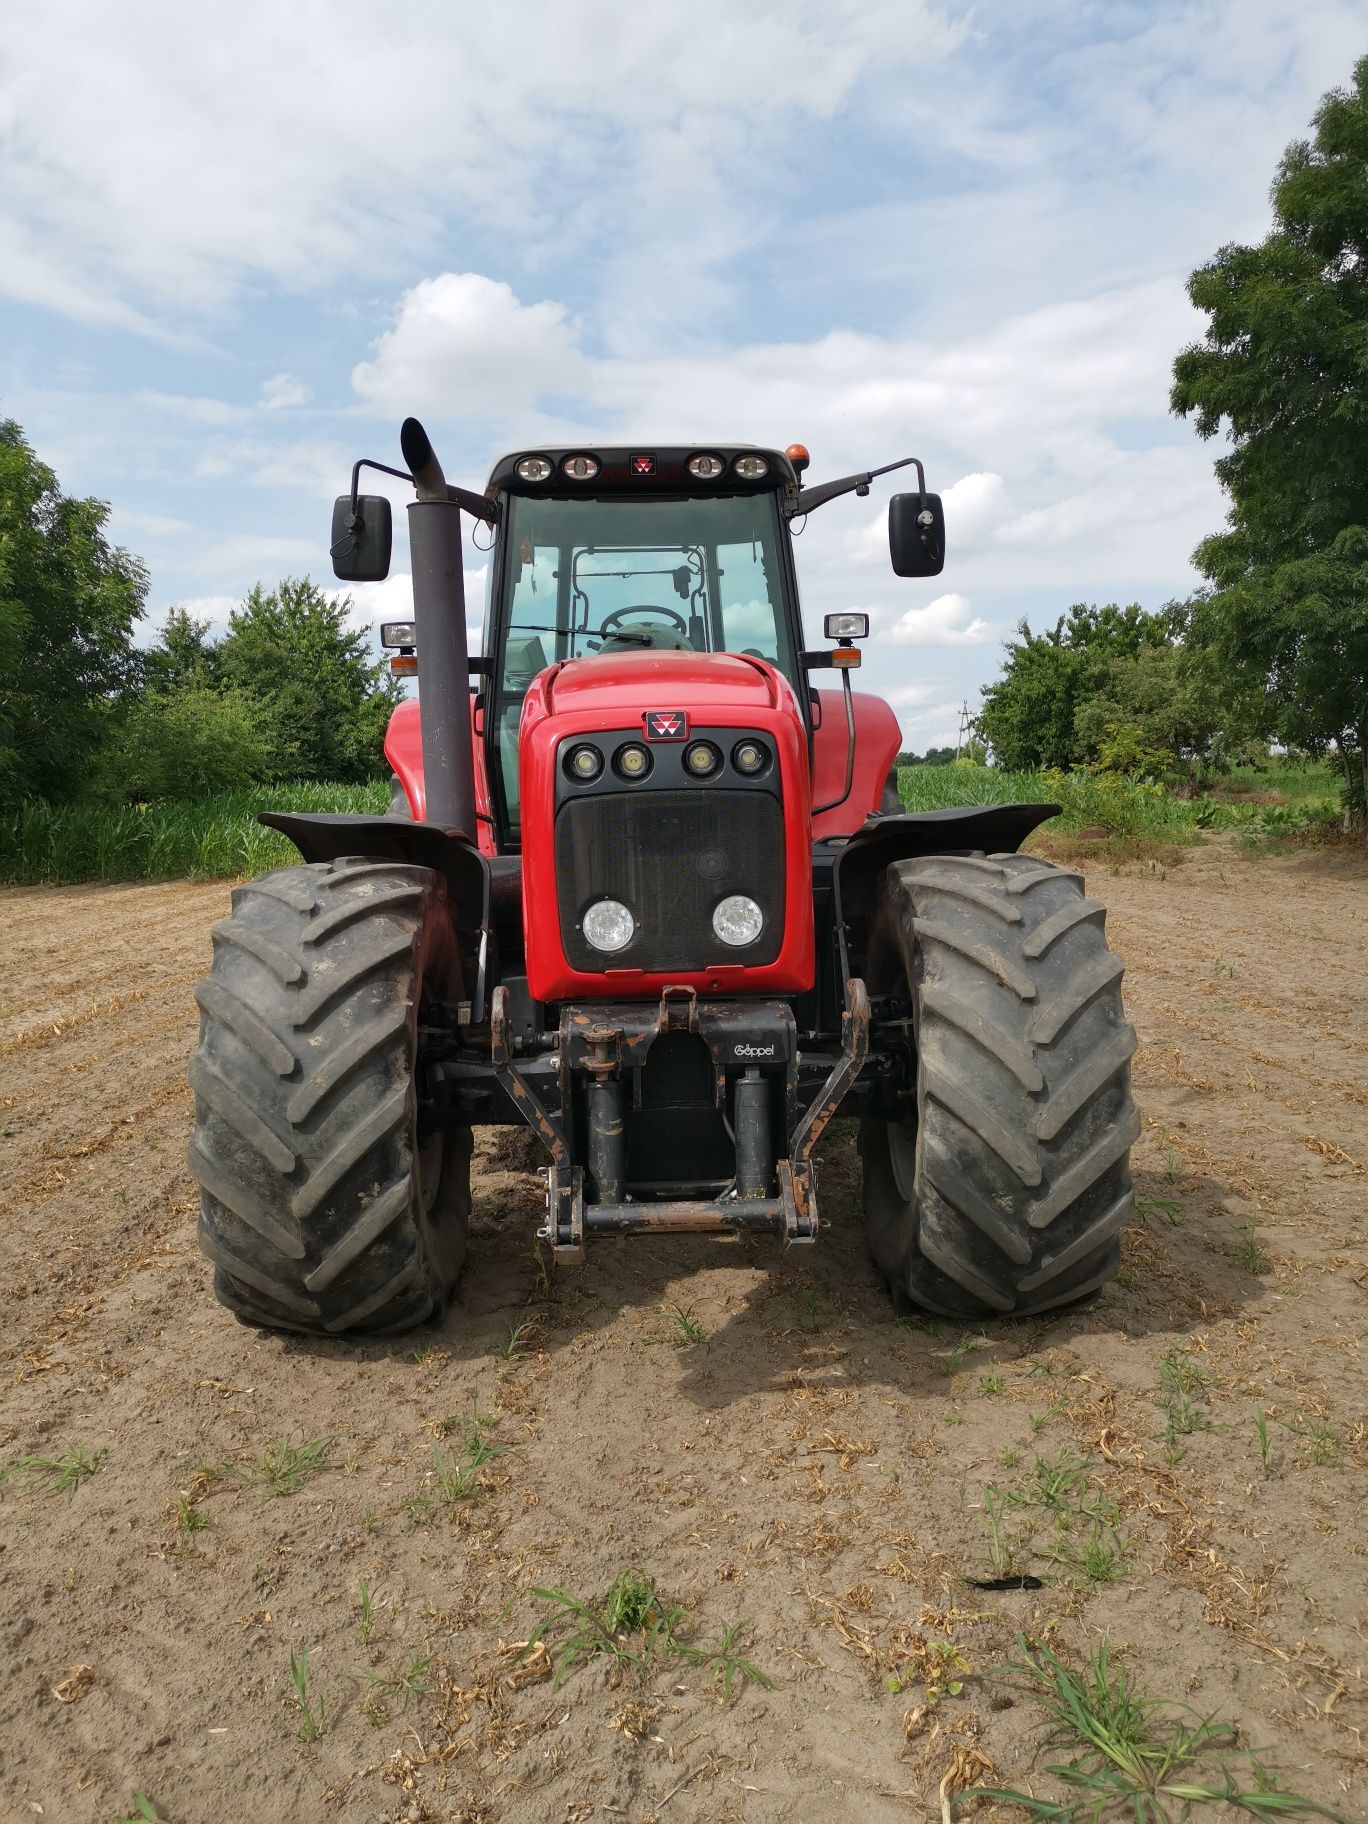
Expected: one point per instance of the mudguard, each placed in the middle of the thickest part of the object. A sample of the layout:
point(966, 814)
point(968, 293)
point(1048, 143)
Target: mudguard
point(992, 828)
point(326, 835)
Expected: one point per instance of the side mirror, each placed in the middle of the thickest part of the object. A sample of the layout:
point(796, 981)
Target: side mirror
point(361, 538)
point(916, 534)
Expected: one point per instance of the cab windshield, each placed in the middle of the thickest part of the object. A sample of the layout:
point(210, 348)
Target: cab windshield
point(587, 577)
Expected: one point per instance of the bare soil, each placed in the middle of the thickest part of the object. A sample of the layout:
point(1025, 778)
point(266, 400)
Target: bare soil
point(809, 1464)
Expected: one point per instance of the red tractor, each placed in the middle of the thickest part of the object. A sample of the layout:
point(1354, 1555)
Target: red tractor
point(646, 891)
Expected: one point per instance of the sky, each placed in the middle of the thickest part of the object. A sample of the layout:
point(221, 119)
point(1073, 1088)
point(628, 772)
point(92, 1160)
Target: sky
point(236, 249)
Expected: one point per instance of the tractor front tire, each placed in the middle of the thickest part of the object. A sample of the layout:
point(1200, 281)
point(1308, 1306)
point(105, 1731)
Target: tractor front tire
point(1003, 1190)
point(321, 1209)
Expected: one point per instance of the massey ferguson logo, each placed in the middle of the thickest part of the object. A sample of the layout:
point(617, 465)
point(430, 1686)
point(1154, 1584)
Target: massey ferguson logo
point(666, 725)
point(752, 1051)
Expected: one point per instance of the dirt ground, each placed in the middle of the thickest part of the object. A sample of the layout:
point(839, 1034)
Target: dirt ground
point(807, 1463)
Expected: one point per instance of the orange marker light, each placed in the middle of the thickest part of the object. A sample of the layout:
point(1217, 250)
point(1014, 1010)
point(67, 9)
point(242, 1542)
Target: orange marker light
point(404, 664)
point(847, 657)
point(798, 456)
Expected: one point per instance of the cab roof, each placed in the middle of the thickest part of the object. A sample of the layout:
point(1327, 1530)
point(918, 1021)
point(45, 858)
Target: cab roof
point(643, 469)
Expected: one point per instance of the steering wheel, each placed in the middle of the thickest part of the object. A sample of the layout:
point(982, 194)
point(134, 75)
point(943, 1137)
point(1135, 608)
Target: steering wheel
point(610, 621)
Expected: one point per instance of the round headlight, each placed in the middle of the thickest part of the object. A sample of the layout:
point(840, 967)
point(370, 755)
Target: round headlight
point(580, 468)
point(701, 759)
point(705, 468)
point(737, 920)
point(749, 757)
point(752, 468)
point(534, 468)
point(632, 761)
point(609, 926)
point(584, 763)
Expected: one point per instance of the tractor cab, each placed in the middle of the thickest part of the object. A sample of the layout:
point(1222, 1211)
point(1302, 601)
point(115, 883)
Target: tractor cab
point(632, 552)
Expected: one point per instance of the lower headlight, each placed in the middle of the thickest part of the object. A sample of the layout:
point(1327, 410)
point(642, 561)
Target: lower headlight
point(737, 920)
point(608, 925)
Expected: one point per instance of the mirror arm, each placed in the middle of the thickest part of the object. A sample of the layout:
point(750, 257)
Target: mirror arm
point(811, 498)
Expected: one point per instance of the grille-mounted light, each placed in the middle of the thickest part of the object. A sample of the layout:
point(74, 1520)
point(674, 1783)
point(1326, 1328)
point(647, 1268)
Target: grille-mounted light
point(705, 467)
point(608, 925)
point(632, 761)
point(752, 468)
point(584, 763)
point(750, 757)
point(737, 920)
point(580, 468)
point(534, 468)
point(701, 759)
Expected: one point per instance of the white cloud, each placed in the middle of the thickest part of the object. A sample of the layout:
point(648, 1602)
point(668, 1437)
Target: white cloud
point(947, 621)
point(909, 696)
point(466, 340)
point(282, 391)
point(293, 150)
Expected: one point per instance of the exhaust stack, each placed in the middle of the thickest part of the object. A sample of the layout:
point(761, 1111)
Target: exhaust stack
point(440, 619)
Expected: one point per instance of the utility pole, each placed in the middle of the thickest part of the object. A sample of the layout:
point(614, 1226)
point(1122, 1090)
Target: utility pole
point(962, 737)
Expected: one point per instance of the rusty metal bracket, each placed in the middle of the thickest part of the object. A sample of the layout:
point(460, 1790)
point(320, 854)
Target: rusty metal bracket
point(561, 1233)
point(678, 1010)
point(798, 1173)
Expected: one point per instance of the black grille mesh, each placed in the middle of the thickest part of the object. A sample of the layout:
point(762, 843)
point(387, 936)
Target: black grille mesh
point(670, 856)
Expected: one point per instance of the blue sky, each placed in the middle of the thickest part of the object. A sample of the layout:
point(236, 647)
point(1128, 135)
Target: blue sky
point(235, 250)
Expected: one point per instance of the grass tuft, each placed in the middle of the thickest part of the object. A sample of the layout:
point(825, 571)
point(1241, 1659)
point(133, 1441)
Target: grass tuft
point(61, 1475)
point(313, 1711)
point(1149, 1759)
point(284, 1468)
point(630, 1625)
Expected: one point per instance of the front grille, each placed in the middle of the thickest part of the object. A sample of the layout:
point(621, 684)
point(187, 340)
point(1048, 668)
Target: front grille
point(669, 856)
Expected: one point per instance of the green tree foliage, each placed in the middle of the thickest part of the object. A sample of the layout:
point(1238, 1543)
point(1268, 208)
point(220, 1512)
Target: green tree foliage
point(183, 657)
point(1106, 686)
point(1283, 368)
point(186, 743)
point(68, 603)
point(320, 697)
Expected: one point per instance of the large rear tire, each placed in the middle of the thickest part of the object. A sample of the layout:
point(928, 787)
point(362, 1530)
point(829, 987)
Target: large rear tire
point(1004, 1189)
point(320, 1209)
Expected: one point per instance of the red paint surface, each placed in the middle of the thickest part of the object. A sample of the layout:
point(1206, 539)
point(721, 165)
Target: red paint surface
point(877, 740)
point(715, 690)
point(404, 751)
point(598, 695)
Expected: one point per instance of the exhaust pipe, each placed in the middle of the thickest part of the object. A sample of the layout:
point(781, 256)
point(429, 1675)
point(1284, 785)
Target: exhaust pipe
point(444, 654)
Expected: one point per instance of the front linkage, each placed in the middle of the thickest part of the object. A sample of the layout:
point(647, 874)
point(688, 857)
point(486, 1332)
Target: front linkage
point(595, 1081)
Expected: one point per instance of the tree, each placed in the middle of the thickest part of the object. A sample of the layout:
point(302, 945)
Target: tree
point(322, 699)
point(1029, 715)
point(1282, 368)
point(185, 743)
point(68, 603)
point(183, 657)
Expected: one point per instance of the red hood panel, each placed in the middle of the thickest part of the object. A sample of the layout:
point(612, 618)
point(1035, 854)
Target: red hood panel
point(663, 680)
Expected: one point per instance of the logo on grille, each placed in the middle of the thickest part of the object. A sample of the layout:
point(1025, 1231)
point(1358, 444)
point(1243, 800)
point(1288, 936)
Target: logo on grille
point(666, 725)
point(643, 465)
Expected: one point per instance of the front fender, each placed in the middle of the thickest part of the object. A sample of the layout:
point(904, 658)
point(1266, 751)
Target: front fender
point(328, 835)
point(993, 829)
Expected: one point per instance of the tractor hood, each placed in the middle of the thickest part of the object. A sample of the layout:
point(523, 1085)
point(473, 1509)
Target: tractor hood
point(730, 685)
